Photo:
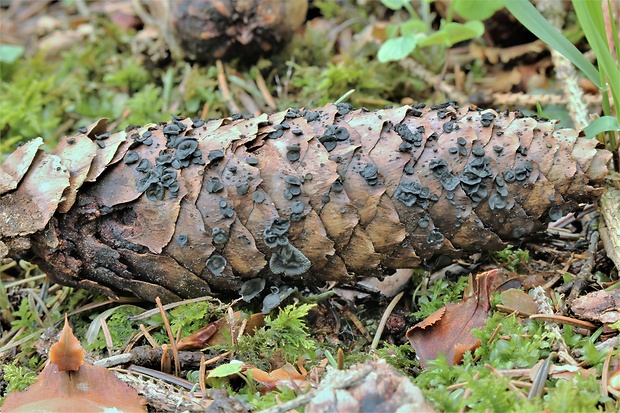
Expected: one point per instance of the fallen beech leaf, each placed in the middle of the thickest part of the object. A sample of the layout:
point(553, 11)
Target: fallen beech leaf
point(287, 375)
point(62, 389)
point(199, 339)
point(222, 335)
point(506, 280)
point(448, 330)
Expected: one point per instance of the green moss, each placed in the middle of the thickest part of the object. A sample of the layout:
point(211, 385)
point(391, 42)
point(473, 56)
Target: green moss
point(287, 334)
point(515, 345)
point(17, 378)
point(512, 260)
point(438, 295)
point(121, 329)
point(520, 346)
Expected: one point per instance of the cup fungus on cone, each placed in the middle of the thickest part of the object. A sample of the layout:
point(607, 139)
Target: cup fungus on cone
point(289, 261)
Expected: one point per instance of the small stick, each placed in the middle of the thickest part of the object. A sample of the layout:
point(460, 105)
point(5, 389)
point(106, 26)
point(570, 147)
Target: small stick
point(563, 319)
point(175, 352)
point(201, 374)
point(109, 343)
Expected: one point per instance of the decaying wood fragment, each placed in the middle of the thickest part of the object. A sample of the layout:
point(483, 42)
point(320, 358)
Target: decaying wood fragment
point(194, 207)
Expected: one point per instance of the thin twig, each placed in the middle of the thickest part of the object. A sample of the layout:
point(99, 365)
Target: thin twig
point(564, 320)
point(173, 343)
point(582, 278)
point(605, 374)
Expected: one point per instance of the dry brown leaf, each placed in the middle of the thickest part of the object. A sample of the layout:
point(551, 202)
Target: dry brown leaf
point(449, 330)
point(506, 280)
point(73, 386)
point(287, 375)
point(199, 339)
point(222, 335)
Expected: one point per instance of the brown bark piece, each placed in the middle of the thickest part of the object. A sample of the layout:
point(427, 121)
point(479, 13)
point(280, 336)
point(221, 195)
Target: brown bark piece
point(599, 306)
point(105, 155)
point(299, 197)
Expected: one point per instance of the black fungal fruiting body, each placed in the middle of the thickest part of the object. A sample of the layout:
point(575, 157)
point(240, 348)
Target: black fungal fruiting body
point(305, 196)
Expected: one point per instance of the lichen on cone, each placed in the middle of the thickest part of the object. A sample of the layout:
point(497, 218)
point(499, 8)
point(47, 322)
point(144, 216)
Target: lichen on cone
point(195, 207)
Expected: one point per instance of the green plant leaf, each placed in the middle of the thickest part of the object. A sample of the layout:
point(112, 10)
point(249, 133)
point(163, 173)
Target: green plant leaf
point(600, 125)
point(395, 4)
point(396, 49)
point(225, 370)
point(453, 33)
point(590, 15)
point(537, 24)
point(9, 53)
point(477, 9)
point(412, 27)
point(458, 32)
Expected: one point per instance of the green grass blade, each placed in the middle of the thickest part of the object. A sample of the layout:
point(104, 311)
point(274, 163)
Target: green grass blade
point(600, 125)
point(590, 15)
point(614, 29)
point(537, 24)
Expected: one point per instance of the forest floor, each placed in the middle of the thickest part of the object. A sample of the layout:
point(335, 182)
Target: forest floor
point(66, 64)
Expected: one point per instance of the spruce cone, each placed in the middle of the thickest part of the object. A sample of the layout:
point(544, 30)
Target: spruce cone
point(207, 30)
point(197, 207)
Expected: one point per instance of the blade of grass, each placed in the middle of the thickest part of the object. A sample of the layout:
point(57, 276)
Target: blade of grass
point(600, 125)
point(590, 15)
point(537, 24)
